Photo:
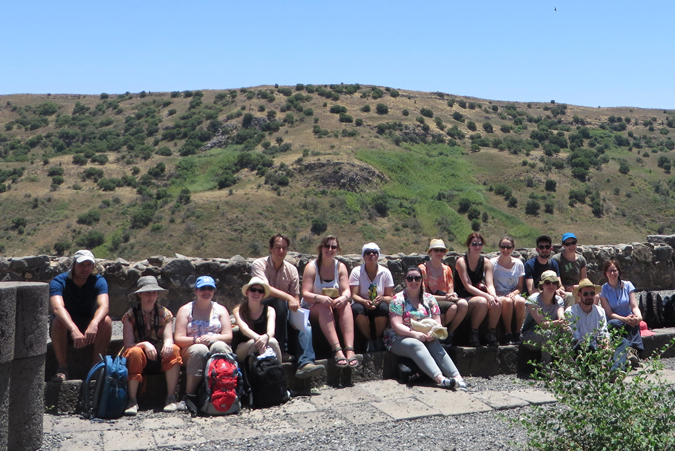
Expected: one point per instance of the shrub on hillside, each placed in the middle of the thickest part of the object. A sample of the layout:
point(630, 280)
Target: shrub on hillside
point(551, 185)
point(89, 218)
point(381, 108)
point(464, 205)
point(532, 207)
point(319, 226)
point(488, 127)
point(91, 239)
point(458, 116)
point(426, 112)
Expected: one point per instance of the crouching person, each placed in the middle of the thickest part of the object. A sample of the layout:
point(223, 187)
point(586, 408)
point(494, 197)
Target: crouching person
point(586, 318)
point(148, 343)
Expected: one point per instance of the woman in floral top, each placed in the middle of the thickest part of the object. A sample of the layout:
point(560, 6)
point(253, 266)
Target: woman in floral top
point(424, 349)
point(148, 343)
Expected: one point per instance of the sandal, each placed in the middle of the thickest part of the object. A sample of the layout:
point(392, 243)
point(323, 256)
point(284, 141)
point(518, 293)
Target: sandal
point(353, 362)
point(61, 374)
point(340, 362)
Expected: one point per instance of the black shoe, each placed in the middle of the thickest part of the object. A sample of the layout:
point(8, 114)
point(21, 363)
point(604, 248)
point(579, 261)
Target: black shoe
point(492, 337)
point(508, 339)
point(474, 340)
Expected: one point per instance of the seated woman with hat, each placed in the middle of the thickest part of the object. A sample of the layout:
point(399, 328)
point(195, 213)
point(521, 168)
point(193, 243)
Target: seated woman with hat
point(544, 309)
point(148, 343)
point(256, 321)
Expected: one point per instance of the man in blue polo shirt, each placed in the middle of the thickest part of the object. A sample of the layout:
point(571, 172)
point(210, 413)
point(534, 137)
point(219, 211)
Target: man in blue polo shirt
point(79, 301)
point(534, 267)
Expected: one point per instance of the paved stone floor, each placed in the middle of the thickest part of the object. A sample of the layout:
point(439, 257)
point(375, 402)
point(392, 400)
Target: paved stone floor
point(364, 403)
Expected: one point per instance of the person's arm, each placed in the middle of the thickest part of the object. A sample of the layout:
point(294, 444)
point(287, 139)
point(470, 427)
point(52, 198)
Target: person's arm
point(308, 294)
point(531, 289)
point(492, 298)
point(59, 309)
point(361, 300)
point(519, 288)
point(180, 336)
point(461, 266)
point(401, 329)
point(386, 297)
point(636, 317)
point(243, 326)
point(102, 302)
point(225, 327)
point(345, 292)
point(167, 337)
point(608, 311)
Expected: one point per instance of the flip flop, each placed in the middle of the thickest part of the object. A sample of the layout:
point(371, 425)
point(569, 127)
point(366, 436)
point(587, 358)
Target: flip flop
point(353, 362)
point(337, 359)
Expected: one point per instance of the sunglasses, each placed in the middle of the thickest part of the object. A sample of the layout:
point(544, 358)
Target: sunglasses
point(588, 293)
point(413, 278)
point(505, 247)
point(369, 252)
point(439, 250)
point(331, 247)
point(548, 282)
point(476, 244)
point(569, 243)
point(544, 246)
point(257, 290)
point(207, 288)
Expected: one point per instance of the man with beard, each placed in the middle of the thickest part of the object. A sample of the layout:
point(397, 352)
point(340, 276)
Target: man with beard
point(537, 265)
point(587, 318)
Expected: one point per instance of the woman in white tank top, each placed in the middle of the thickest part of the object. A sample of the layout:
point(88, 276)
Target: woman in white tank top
point(326, 274)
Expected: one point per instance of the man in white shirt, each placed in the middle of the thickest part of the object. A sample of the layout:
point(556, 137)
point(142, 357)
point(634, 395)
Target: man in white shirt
point(585, 318)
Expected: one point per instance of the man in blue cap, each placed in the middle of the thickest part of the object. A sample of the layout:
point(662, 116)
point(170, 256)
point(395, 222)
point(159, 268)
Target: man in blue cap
point(572, 266)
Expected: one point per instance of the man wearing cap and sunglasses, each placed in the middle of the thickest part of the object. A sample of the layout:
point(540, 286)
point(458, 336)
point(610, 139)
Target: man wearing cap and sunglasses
point(535, 266)
point(586, 318)
point(79, 302)
point(572, 267)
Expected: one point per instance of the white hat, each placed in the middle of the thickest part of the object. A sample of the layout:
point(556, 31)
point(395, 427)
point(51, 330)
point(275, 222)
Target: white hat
point(369, 247)
point(84, 255)
point(256, 281)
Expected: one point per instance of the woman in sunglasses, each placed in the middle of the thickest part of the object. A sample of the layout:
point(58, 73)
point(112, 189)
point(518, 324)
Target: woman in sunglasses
point(372, 288)
point(202, 327)
point(544, 309)
point(473, 281)
point(400, 338)
point(326, 293)
point(508, 276)
point(437, 280)
point(256, 321)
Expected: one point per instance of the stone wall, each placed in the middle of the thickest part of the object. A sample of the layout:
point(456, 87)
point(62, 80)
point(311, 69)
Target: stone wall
point(650, 266)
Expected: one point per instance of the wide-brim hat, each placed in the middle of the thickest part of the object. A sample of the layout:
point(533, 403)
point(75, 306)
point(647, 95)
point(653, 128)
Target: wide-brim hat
point(436, 243)
point(585, 283)
point(256, 281)
point(548, 276)
point(148, 283)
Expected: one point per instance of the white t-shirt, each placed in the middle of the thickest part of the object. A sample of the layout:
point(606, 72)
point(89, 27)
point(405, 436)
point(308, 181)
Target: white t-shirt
point(506, 280)
point(583, 323)
point(359, 276)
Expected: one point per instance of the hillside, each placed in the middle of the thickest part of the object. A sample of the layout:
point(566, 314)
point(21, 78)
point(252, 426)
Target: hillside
point(214, 173)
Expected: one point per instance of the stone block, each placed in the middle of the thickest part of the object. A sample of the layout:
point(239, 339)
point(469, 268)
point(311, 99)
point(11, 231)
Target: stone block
point(62, 397)
point(406, 409)
point(5, 374)
point(450, 402)
point(26, 403)
point(7, 321)
point(180, 266)
point(32, 309)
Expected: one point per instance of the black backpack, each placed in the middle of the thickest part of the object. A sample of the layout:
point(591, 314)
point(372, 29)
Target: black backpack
point(408, 372)
point(266, 382)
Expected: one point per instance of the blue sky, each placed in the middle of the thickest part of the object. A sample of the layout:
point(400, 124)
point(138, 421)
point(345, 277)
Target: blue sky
point(593, 53)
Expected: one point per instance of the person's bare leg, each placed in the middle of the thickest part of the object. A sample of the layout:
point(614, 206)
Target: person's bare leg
point(133, 388)
point(462, 310)
point(172, 375)
point(507, 313)
point(59, 336)
point(478, 308)
point(364, 325)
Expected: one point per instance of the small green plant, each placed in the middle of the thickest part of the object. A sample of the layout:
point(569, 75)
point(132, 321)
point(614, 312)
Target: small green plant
point(598, 409)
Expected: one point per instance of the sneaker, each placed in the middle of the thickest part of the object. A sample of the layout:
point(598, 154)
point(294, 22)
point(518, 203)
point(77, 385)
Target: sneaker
point(170, 405)
point(310, 369)
point(461, 385)
point(508, 339)
point(633, 358)
point(371, 346)
point(132, 408)
point(181, 406)
point(448, 383)
point(474, 340)
point(448, 341)
point(492, 338)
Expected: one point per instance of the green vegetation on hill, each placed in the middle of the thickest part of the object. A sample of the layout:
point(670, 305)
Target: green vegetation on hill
point(214, 172)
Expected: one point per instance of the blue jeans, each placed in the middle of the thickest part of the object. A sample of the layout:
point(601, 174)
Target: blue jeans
point(620, 354)
point(304, 349)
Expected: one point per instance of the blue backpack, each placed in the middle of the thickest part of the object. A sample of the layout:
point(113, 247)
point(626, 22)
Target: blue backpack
point(109, 398)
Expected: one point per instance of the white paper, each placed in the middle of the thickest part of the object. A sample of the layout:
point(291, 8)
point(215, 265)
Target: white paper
point(299, 319)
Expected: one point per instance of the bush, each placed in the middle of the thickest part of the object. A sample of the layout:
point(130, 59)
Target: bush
point(475, 225)
point(624, 168)
point(464, 205)
point(381, 108)
point(426, 112)
point(358, 122)
point(549, 206)
point(319, 226)
point(100, 158)
point(551, 185)
point(79, 159)
point(505, 128)
point(365, 108)
point(56, 170)
point(61, 247)
point(488, 126)
point(89, 218)
point(532, 208)
point(473, 213)
point(91, 239)
point(513, 202)
point(458, 116)
point(57, 180)
point(405, 112)
point(381, 204)
point(598, 409)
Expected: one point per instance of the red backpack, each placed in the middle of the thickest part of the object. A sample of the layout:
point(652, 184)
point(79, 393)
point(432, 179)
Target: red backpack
point(222, 387)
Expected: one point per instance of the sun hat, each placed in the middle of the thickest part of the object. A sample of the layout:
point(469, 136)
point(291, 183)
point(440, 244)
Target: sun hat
point(369, 247)
point(548, 276)
point(644, 330)
point(84, 255)
point(256, 281)
point(205, 281)
point(583, 284)
point(436, 244)
point(148, 283)
point(567, 236)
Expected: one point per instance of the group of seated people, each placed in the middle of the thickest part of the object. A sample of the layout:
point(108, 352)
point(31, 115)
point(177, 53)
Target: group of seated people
point(415, 322)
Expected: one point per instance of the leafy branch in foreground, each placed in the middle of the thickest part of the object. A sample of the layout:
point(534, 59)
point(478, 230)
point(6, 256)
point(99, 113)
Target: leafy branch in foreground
point(598, 409)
